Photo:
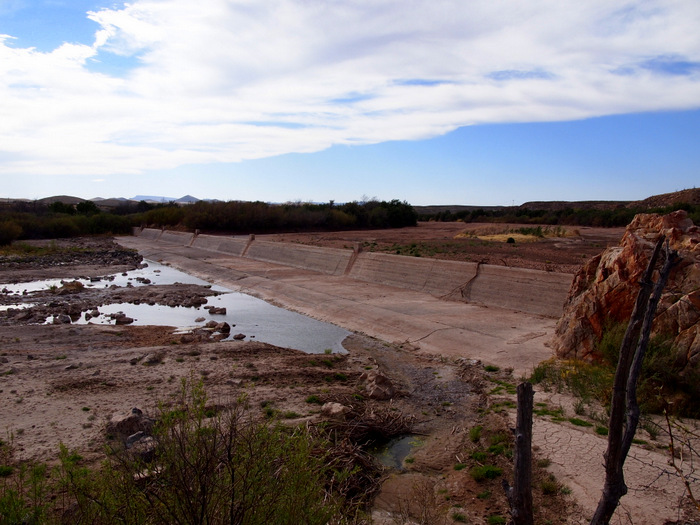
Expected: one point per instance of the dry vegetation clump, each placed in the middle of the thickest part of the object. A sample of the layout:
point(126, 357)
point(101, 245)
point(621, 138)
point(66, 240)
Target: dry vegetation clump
point(510, 234)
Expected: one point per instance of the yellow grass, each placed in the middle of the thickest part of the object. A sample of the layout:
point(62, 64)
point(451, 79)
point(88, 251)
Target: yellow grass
point(501, 233)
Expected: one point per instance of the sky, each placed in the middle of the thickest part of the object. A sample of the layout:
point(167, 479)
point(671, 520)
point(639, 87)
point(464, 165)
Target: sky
point(481, 102)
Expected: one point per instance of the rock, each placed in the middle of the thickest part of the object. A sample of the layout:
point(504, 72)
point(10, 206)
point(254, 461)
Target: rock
point(377, 385)
point(199, 320)
point(604, 290)
point(334, 410)
point(61, 319)
point(239, 337)
point(153, 359)
point(215, 310)
point(121, 318)
point(223, 328)
point(211, 324)
point(144, 447)
point(133, 438)
point(70, 288)
point(124, 426)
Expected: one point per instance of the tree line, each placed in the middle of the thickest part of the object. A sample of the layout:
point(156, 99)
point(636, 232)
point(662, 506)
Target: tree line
point(569, 216)
point(33, 220)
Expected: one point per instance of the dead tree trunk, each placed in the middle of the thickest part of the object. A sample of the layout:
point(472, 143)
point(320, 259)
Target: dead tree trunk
point(624, 408)
point(520, 494)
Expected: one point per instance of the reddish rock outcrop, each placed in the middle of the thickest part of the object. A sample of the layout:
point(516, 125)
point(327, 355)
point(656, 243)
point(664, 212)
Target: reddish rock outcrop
point(605, 289)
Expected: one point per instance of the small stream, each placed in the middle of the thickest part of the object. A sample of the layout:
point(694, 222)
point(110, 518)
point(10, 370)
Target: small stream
point(258, 320)
point(394, 453)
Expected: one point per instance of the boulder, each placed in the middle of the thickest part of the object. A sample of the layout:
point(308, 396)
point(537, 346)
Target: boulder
point(70, 288)
point(334, 410)
point(124, 426)
point(377, 385)
point(142, 445)
point(605, 289)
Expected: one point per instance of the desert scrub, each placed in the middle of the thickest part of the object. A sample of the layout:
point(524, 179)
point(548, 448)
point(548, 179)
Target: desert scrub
point(586, 381)
point(225, 467)
point(661, 372)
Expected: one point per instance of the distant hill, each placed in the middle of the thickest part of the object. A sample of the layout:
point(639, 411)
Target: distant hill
point(65, 199)
point(690, 196)
point(187, 199)
point(152, 198)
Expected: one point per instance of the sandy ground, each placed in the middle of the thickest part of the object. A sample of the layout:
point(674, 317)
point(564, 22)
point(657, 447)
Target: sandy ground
point(62, 383)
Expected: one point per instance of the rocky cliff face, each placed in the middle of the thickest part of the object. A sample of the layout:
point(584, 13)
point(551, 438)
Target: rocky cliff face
point(605, 289)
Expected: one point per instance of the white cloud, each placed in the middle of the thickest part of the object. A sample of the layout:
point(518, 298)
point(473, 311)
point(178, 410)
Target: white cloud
point(231, 80)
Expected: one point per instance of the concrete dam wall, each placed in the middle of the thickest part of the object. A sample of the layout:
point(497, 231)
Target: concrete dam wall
point(530, 291)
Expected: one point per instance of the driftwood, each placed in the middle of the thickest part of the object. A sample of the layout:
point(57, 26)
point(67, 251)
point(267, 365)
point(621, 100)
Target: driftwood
point(624, 410)
point(520, 494)
point(364, 425)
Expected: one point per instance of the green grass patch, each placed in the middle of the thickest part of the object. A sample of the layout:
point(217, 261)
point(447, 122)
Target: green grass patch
point(479, 455)
point(484, 495)
point(580, 422)
point(475, 433)
point(484, 472)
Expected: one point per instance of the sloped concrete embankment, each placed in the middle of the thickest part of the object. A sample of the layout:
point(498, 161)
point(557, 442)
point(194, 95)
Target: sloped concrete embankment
point(530, 291)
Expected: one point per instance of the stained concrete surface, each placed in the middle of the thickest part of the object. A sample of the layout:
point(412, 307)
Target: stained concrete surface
point(506, 338)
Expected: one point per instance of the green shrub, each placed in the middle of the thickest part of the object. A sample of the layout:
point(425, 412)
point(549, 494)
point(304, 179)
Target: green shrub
point(210, 470)
point(475, 433)
point(483, 472)
point(479, 455)
point(9, 231)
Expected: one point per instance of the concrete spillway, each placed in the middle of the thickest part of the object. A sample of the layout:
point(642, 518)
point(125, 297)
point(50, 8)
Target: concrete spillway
point(531, 291)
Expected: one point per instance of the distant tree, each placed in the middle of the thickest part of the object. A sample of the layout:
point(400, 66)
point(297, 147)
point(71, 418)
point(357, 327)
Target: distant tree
point(60, 207)
point(9, 231)
point(87, 208)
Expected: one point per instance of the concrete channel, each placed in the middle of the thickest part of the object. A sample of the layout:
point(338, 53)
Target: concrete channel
point(502, 316)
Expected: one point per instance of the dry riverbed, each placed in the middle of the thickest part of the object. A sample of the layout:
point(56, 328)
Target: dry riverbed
point(62, 383)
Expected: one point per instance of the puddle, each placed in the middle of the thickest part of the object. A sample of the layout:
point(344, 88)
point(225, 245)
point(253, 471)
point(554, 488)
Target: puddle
point(253, 317)
point(154, 273)
point(394, 453)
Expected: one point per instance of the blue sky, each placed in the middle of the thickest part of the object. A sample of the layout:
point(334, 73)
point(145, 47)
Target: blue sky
point(440, 102)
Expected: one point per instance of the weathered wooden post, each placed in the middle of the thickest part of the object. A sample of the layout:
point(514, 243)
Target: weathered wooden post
point(520, 494)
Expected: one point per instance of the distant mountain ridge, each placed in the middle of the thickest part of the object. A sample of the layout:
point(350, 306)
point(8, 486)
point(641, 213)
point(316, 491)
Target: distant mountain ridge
point(187, 199)
point(687, 196)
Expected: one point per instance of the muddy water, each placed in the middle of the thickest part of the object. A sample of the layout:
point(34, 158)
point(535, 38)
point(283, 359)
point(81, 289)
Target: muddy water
point(247, 315)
